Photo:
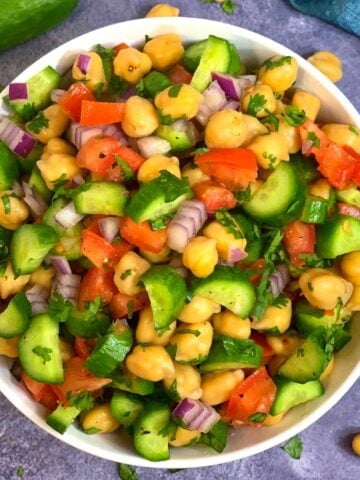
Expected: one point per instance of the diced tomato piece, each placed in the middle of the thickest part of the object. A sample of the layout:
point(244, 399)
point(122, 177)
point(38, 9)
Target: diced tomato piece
point(347, 209)
point(76, 380)
point(101, 113)
point(179, 74)
point(142, 236)
point(356, 156)
point(260, 265)
point(267, 351)
point(120, 46)
point(84, 346)
point(72, 100)
point(234, 167)
point(98, 154)
point(41, 392)
point(121, 304)
point(214, 195)
point(254, 395)
point(97, 282)
point(132, 158)
point(299, 237)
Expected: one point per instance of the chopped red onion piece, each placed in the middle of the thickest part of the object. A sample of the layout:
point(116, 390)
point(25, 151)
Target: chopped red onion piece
point(60, 263)
point(116, 132)
point(306, 147)
point(247, 80)
point(19, 141)
point(235, 254)
point(68, 217)
point(177, 236)
point(34, 201)
point(37, 296)
point(153, 145)
point(232, 105)
point(198, 205)
point(17, 188)
point(79, 134)
point(83, 63)
point(129, 93)
point(67, 285)
point(231, 85)
point(77, 180)
point(279, 279)
point(214, 100)
point(177, 264)
point(56, 94)
point(196, 415)
point(109, 228)
point(18, 91)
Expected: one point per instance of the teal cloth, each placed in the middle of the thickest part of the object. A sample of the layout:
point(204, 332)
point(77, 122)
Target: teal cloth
point(343, 13)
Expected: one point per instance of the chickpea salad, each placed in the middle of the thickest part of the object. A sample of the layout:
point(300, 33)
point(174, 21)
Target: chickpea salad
point(179, 242)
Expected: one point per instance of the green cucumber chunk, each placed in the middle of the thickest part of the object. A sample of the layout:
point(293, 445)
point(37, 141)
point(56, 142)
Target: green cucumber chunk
point(167, 293)
point(340, 234)
point(308, 318)
point(9, 170)
point(103, 198)
point(280, 198)
point(159, 197)
point(125, 407)
point(149, 439)
point(132, 384)
point(230, 353)
point(81, 323)
point(37, 183)
point(178, 140)
point(16, 316)
point(30, 245)
point(5, 240)
point(215, 58)
point(236, 67)
point(61, 418)
point(39, 350)
point(192, 55)
point(314, 210)
point(229, 287)
point(341, 336)
point(154, 83)
point(289, 394)
point(309, 361)
point(109, 352)
point(28, 163)
point(306, 166)
point(350, 195)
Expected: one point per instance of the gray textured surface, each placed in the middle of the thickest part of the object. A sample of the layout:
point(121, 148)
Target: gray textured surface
point(327, 452)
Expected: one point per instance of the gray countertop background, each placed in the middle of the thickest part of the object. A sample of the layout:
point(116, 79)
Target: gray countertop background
point(327, 444)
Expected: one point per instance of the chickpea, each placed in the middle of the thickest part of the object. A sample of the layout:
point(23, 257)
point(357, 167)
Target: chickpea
point(66, 350)
point(194, 174)
point(43, 276)
point(320, 188)
point(162, 257)
point(254, 129)
point(140, 117)
point(185, 104)
point(347, 135)
point(270, 150)
point(128, 272)
point(308, 102)
point(188, 381)
point(58, 165)
point(57, 145)
point(9, 347)
point(184, 438)
point(271, 420)
point(284, 344)
point(13, 210)
point(150, 362)
point(95, 73)
point(354, 302)
point(146, 333)
point(100, 417)
point(9, 284)
point(291, 135)
point(275, 317)
point(226, 129)
point(200, 256)
point(350, 267)
point(163, 10)
point(323, 289)
point(57, 123)
point(131, 65)
point(224, 239)
point(199, 309)
point(251, 105)
point(274, 364)
point(164, 50)
point(328, 370)
point(279, 72)
point(328, 63)
point(153, 166)
point(218, 387)
point(356, 444)
point(192, 347)
point(231, 325)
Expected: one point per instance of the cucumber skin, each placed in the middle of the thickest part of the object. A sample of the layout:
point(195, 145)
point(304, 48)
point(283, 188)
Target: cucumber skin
point(301, 393)
point(61, 418)
point(21, 20)
point(339, 235)
point(20, 307)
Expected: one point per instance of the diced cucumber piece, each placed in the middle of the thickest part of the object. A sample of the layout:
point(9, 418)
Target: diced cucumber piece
point(132, 384)
point(167, 293)
point(229, 287)
point(236, 67)
point(230, 353)
point(16, 316)
point(214, 58)
point(103, 198)
point(314, 210)
point(192, 55)
point(61, 418)
point(30, 245)
point(178, 140)
point(154, 83)
point(80, 323)
point(39, 350)
point(308, 318)
point(289, 394)
point(350, 195)
point(160, 196)
point(340, 234)
point(27, 164)
point(149, 438)
point(37, 183)
point(341, 337)
point(125, 407)
point(280, 198)
point(9, 170)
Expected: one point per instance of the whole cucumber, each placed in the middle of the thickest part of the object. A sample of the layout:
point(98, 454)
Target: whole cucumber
point(21, 20)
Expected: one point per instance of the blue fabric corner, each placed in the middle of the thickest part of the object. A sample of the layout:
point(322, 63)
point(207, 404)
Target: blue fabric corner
point(343, 13)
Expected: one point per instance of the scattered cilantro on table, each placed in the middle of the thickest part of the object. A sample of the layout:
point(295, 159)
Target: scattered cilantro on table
point(293, 447)
point(127, 472)
point(227, 6)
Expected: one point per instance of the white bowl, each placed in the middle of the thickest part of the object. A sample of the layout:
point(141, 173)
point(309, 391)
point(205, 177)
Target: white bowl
point(254, 48)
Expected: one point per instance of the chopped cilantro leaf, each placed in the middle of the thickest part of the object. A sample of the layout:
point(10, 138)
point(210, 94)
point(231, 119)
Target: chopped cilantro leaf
point(94, 306)
point(173, 393)
point(126, 170)
point(244, 195)
point(130, 306)
point(280, 301)
point(271, 119)
point(59, 182)
point(311, 260)
point(38, 123)
point(161, 222)
point(59, 308)
point(28, 112)
point(83, 401)
point(20, 471)
point(173, 91)
point(353, 129)
point(270, 64)
point(312, 137)
point(127, 472)
point(257, 417)
point(293, 447)
point(126, 274)
point(175, 470)
point(43, 352)
point(92, 431)
point(6, 202)
point(165, 119)
point(117, 85)
point(216, 438)
point(228, 221)
point(189, 330)
point(294, 116)
point(272, 159)
point(227, 6)
point(256, 104)
point(300, 352)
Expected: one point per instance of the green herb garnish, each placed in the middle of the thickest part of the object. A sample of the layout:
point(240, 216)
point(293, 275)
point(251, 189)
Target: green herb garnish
point(43, 352)
point(127, 472)
point(293, 447)
point(38, 123)
point(256, 104)
point(294, 116)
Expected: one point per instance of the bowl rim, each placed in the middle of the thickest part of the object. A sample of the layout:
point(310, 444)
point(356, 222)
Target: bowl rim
point(83, 444)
